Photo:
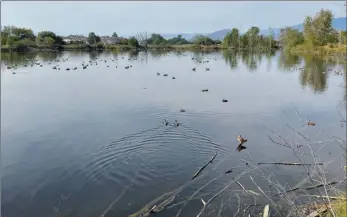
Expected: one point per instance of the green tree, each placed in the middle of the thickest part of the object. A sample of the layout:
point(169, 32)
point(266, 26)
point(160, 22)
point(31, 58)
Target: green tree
point(202, 40)
point(290, 38)
point(318, 30)
point(179, 40)
point(253, 37)
point(115, 35)
point(157, 39)
point(232, 39)
point(48, 38)
point(93, 38)
point(133, 42)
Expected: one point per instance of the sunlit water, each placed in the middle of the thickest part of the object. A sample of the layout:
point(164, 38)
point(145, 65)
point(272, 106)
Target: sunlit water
point(91, 142)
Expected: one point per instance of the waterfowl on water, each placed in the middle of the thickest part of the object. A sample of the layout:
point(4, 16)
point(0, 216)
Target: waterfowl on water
point(311, 123)
point(207, 69)
point(158, 73)
point(176, 123)
point(165, 75)
point(173, 78)
point(182, 110)
point(224, 100)
point(204, 90)
point(165, 122)
point(67, 69)
point(75, 68)
point(241, 139)
point(194, 69)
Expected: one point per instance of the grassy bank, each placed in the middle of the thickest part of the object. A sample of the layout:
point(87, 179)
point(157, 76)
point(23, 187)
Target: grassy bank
point(330, 51)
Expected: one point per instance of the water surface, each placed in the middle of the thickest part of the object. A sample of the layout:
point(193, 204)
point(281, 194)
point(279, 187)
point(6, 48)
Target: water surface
point(91, 142)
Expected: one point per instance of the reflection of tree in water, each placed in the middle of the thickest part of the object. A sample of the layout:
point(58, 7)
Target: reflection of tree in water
point(157, 54)
point(312, 75)
point(269, 56)
point(287, 60)
point(231, 58)
point(49, 56)
point(250, 60)
point(14, 58)
point(94, 54)
point(202, 54)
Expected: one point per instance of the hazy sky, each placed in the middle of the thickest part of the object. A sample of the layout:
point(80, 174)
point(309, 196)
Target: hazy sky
point(128, 18)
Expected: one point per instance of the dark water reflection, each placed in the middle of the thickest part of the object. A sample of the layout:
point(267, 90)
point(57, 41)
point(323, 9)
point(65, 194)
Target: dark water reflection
point(91, 142)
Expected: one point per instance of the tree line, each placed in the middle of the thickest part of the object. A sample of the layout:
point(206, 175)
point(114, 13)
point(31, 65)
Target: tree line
point(318, 31)
point(21, 38)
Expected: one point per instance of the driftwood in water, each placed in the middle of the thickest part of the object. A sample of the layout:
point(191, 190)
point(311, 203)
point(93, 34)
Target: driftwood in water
point(202, 168)
point(292, 164)
point(318, 212)
point(332, 198)
point(313, 187)
point(293, 189)
point(321, 185)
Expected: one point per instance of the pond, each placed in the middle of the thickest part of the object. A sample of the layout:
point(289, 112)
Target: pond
point(92, 142)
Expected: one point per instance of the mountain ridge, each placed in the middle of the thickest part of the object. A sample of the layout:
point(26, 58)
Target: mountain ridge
point(337, 23)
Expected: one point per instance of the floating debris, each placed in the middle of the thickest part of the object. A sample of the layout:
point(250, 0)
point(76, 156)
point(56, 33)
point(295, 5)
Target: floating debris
point(291, 164)
point(311, 123)
point(202, 168)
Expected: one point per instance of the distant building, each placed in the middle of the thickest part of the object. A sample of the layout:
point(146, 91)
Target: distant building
point(110, 40)
point(75, 39)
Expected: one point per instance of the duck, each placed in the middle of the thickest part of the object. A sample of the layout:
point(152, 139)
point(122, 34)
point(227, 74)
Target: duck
point(176, 123)
point(224, 100)
point(158, 73)
point(241, 139)
point(165, 75)
point(204, 90)
point(67, 69)
point(207, 69)
point(182, 110)
point(194, 69)
point(165, 122)
point(173, 78)
point(311, 123)
point(75, 68)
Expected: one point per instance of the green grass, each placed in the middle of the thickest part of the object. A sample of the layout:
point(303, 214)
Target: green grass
point(339, 207)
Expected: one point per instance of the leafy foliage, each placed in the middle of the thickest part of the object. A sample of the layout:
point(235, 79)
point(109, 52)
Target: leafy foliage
point(133, 42)
point(93, 38)
point(179, 40)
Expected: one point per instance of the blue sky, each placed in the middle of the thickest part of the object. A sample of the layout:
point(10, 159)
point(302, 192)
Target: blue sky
point(128, 18)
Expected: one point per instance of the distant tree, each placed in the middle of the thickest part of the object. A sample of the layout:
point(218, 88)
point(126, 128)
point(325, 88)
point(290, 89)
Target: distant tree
point(142, 38)
point(48, 38)
point(115, 35)
point(203, 40)
point(232, 39)
point(291, 37)
point(179, 40)
point(93, 38)
point(318, 30)
point(132, 41)
point(157, 39)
